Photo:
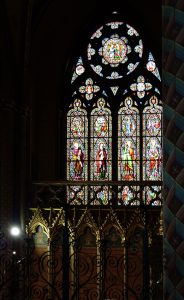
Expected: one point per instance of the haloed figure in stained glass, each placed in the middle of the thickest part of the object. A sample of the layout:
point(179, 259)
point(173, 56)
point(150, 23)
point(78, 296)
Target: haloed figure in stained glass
point(77, 127)
point(154, 124)
point(101, 161)
point(101, 126)
point(128, 159)
point(78, 157)
point(154, 156)
point(128, 125)
point(114, 51)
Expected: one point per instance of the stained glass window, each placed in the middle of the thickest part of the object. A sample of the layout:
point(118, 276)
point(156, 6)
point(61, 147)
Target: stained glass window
point(77, 149)
point(152, 141)
point(128, 149)
point(114, 127)
point(128, 142)
point(77, 145)
point(101, 142)
point(101, 151)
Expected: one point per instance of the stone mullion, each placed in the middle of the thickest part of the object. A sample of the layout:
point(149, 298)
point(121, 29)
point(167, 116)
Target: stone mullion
point(124, 244)
point(99, 264)
point(72, 265)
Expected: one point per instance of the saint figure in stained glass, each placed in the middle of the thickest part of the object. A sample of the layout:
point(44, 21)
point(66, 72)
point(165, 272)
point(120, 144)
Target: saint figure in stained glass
point(153, 154)
point(77, 142)
point(128, 125)
point(101, 131)
point(78, 157)
point(114, 50)
point(128, 142)
point(101, 126)
point(128, 158)
point(128, 118)
point(101, 161)
point(77, 126)
point(152, 140)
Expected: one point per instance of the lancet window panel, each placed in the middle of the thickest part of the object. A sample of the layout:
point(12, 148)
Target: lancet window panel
point(77, 152)
point(77, 143)
point(101, 152)
point(128, 142)
point(101, 143)
point(152, 141)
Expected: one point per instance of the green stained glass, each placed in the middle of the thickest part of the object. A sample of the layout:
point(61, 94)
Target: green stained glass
point(100, 195)
point(128, 142)
point(152, 195)
point(125, 132)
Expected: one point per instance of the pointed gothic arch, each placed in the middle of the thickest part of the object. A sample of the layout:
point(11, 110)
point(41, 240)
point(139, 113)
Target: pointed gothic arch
point(116, 85)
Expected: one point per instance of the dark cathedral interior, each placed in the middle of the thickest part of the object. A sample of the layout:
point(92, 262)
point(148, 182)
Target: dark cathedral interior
point(96, 250)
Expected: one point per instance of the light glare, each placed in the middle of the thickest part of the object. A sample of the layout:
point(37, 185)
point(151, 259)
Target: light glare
point(15, 231)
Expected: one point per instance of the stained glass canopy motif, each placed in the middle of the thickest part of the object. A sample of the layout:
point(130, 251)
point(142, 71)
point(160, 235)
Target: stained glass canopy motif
point(115, 50)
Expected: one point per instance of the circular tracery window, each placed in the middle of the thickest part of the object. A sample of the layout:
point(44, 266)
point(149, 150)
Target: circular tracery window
point(115, 50)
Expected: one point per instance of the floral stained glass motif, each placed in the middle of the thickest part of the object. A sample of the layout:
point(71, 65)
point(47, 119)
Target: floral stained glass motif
point(128, 142)
point(139, 48)
point(89, 89)
point(101, 139)
point(114, 25)
point(140, 87)
point(152, 141)
point(97, 34)
point(131, 31)
point(77, 146)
